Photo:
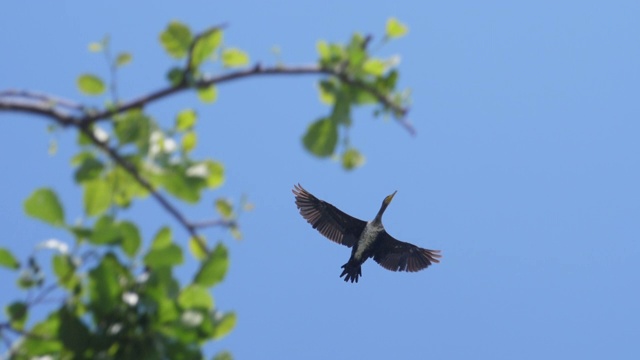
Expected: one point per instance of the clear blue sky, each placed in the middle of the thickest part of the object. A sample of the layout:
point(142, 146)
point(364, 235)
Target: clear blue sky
point(525, 171)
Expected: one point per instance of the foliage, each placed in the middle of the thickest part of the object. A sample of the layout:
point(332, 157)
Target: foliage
point(119, 297)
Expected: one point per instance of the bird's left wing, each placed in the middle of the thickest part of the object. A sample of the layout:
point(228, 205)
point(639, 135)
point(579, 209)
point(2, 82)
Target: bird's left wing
point(327, 219)
point(396, 255)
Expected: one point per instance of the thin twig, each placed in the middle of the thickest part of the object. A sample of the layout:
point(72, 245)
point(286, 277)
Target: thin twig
point(212, 223)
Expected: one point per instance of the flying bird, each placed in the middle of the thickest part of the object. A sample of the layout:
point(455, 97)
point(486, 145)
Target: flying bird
point(365, 238)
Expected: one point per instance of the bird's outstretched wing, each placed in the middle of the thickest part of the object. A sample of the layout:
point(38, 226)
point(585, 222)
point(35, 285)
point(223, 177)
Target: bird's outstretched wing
point(327, 219)
point(396, 255)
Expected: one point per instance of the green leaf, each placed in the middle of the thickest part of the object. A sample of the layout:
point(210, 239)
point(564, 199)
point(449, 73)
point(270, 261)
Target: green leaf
point(90, 84)
point(323, 49)
point(163, 238)
point(43, 339)
point(17, 313)
point(90, 169)
point(73, 333)
point(8, 260)
point(321, 137)
point(175, 76)
point(208, 94)
point(130, 238)
point(233, 57)
point(352, 159)
point(97, 197)
point(213, 268)
point(133, 127)
point(395, 29)
point(223, 355)
point(224, 208)
point(123, 59)
point(181, 185)
point(198, 248)
point(215, 179)
point(224, 325)
point(341, 113)
point(206, 45)
point(106, 283)
point(189, 141)
point(43, 205)
point(176, 39)
point(375, 67)
point(167, 256)
point(105, 231)
point(163, 252)
point(195, 297)
point(186, 120)
point(63, 267)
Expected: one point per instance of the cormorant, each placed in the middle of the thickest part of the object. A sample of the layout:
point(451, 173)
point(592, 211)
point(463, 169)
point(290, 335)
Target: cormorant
point(367, 239)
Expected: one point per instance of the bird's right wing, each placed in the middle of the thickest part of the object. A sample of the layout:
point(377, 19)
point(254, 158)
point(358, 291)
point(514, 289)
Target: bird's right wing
point(396, 255)
point(327, 219)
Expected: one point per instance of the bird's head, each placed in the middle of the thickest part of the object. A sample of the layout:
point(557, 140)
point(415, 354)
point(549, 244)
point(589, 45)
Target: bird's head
point(388, 199)
point(385, 203)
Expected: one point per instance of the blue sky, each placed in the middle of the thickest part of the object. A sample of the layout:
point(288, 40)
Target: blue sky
point(524, 172)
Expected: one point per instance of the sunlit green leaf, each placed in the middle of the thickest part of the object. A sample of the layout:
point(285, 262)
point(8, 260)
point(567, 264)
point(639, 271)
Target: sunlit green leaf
point(130, 238)
point(321, 137)
point(186, 119)
point(195, 297)
point(323, 49)
point(224, 325)
point(43, 204)
point(215, 178)
point(374, 67)
point(197, 246)
point(7, 259)
point(97, 197)
point(352, 159)
point(90, 84)
point(176, 39)
point(206, 45)
point(163, 238)
point(224, 208)
point(213, 269)
point(123, 59)
point(163, 252)
point(189, 141)
point(395, 28)
point(167, 256)
point(233, 57)
point(208, 95)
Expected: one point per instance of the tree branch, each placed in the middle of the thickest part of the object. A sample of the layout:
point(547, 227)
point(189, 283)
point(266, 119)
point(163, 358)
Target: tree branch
point(131, 169)
point(62, 112)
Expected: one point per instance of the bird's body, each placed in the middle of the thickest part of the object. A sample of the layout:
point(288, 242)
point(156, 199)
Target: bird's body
point(366, 239)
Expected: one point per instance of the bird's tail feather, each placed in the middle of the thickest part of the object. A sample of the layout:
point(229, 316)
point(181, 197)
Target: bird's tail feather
point(352, 270)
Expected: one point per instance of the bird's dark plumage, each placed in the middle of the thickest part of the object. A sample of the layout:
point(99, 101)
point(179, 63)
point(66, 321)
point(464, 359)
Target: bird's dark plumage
point(367, 239)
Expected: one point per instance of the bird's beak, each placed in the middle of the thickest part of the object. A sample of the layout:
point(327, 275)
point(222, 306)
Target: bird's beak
point(390, 197)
